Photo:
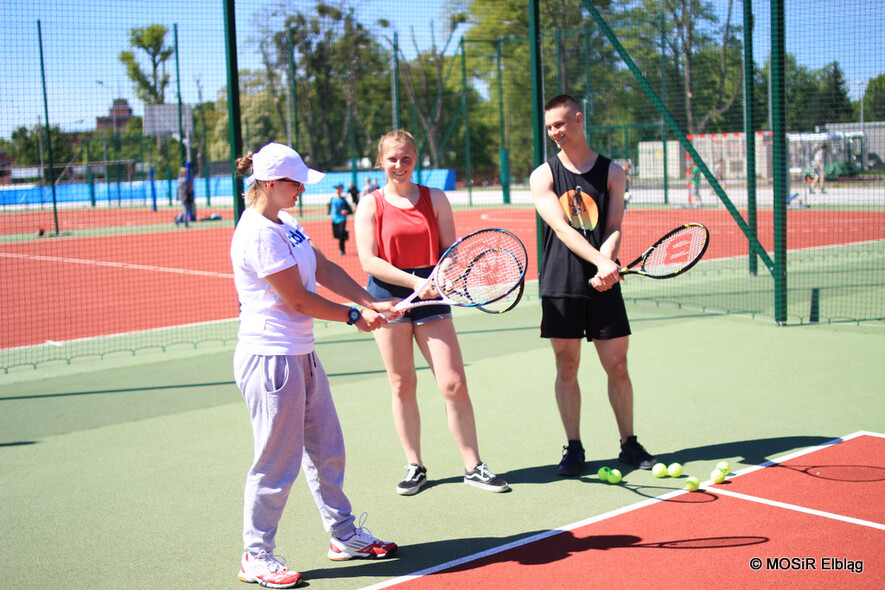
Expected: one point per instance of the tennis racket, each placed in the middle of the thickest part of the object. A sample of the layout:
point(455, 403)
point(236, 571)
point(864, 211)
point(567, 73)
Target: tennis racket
point(477, 270)
point(505, 303)
point(673, 254)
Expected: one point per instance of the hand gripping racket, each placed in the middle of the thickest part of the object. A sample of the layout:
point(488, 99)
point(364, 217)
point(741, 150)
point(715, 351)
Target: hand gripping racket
point(673, 254)
point(477, 270)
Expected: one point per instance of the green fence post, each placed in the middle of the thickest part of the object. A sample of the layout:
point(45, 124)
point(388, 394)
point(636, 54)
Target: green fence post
point(664, 101)
point(48, 131)
point(750, 131)
point(779, 145)
point(233, 104)
point(466, 123)
point(394, 82)
point(537, 108)
point(292, 92)
point(90, 178)
point(169, 184)
point(181, 145)
point(504, 157)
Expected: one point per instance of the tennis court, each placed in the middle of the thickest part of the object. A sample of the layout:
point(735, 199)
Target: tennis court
point(102, 283)
point(136, 463)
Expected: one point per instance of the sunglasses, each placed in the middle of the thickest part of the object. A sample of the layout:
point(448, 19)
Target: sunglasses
point(300, 184)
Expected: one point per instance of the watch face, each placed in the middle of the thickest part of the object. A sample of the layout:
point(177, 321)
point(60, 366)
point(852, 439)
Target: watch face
point(354, 315)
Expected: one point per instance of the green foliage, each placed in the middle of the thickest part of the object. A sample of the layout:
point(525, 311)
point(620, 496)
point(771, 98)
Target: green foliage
point(29, 148)
point(833, 106)
point(874, 99)
point(150, 86)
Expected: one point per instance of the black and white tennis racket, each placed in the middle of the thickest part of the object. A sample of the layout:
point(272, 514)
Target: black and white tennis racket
point(506, 303)
point(673, 254)
point(477, 270)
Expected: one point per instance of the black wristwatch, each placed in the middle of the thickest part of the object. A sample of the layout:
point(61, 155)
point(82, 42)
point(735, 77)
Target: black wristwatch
point(353, 316)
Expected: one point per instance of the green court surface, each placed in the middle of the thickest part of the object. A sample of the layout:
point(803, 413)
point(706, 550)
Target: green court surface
point(128, 472)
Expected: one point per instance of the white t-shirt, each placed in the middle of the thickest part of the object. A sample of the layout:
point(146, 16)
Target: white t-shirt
point(260, 248)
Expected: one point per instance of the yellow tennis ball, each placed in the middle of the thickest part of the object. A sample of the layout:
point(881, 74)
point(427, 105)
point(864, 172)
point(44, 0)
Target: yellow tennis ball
point(603, 473)
point(692, 484)
point(614, 476)
point(659, 470)
point(723, 466)
point(718, 476)
point(675, 470)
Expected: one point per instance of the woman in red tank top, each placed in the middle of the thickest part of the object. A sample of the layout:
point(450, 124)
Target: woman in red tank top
point(401, 230)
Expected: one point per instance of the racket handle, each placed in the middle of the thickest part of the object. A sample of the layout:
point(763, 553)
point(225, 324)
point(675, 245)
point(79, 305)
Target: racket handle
point(401, 306)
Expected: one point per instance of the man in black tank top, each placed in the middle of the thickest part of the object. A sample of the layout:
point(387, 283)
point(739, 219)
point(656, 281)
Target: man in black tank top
point(579, 195)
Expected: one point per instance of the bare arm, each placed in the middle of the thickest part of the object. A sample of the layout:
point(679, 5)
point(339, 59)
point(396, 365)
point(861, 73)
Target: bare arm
point(617, 184)
point(287, 284)
point(548, 207)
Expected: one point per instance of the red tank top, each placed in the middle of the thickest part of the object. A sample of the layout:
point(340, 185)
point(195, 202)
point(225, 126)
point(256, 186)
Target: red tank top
point(407, 238)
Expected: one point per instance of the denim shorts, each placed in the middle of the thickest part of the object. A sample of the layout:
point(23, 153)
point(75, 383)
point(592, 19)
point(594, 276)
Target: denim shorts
point(416, 315)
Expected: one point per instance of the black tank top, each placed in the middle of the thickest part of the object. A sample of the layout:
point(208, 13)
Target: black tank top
point(585, 200)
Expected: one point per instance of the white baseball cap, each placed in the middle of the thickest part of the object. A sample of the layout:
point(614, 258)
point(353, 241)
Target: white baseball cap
point(275, 161)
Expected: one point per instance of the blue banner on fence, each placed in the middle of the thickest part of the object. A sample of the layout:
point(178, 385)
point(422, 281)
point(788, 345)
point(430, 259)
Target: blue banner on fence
point(142, 192)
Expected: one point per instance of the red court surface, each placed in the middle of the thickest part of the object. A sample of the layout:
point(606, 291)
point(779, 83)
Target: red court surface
point(710, 539)
point(81, 286)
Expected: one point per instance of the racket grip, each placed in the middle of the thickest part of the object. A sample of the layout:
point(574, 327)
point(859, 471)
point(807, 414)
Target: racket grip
point(399, 307)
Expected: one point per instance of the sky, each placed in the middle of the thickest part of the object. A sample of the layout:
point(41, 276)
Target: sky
point(82, 40)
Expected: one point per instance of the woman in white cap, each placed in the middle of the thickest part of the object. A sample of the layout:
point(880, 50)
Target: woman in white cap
point(294, 421)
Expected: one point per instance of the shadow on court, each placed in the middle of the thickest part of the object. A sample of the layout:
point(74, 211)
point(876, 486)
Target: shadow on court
point(553, 548)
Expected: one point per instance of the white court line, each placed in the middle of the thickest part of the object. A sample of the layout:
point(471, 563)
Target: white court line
point(644, 503)
point(125, 265)
point(802, 509)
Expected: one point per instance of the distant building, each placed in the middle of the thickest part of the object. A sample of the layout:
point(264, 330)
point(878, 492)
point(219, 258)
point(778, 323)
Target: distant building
point(118, 117)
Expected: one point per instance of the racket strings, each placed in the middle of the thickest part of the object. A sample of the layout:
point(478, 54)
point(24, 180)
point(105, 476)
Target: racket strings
point(677, 252)
point(483, 269)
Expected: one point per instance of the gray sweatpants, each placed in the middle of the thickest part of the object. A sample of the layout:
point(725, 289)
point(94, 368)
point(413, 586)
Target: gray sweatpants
point(295, 425)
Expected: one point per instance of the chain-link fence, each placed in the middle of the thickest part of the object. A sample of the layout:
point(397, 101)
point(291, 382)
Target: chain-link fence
point(106, 106)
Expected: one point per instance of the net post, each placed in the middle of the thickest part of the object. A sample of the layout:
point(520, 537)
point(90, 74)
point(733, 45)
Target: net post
point(814, 309)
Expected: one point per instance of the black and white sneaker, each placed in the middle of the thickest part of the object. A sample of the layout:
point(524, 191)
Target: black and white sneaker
point(416, 477)
point(633, 453)
point(482, 478)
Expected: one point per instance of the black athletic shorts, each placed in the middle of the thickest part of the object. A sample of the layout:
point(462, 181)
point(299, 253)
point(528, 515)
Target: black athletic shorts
point(602, 317)
point(416, 315)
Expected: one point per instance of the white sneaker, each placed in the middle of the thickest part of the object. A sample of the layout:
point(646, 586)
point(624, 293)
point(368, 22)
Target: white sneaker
point(360, 545)
point(268, 571)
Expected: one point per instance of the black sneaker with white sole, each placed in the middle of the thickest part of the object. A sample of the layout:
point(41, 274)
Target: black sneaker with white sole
point(416, 477)
point(633, 453)
point(482, 478)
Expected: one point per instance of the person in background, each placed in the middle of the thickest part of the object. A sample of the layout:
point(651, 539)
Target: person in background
point(579, 195)
point(339, 209)
point(818, 165)
point(401, 231)
point(368, 189)
point(294, 421)
point(186, 198)
point(354, 194)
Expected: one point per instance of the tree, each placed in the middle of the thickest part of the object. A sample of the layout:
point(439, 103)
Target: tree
point(28, 148)
point(874, 99)
point(800, 91)
point(833, 104)
point(150, 86)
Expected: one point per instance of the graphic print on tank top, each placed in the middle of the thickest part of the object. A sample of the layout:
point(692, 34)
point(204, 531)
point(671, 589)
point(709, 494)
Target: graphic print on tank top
point(580, 210)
